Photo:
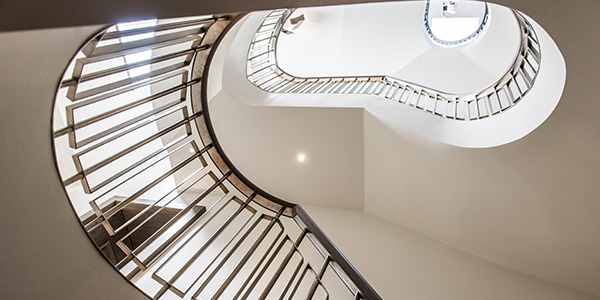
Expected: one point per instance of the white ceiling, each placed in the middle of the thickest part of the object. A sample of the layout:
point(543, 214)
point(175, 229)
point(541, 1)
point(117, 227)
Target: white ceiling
point(389, 39)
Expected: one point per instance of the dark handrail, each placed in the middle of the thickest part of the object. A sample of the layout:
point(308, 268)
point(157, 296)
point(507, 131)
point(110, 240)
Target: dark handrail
point(365, 290)
point(112, 153)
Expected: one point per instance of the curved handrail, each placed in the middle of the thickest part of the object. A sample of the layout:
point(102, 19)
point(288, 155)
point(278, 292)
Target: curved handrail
point(110, 157)
point(221, 160)
point(264, 72)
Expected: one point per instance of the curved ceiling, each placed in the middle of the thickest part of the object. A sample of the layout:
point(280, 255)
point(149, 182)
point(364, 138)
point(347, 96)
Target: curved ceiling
point(512, 124)
point(389, 39)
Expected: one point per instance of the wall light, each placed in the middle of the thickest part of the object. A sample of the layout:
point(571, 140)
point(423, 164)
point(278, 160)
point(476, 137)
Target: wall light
point(301, 157)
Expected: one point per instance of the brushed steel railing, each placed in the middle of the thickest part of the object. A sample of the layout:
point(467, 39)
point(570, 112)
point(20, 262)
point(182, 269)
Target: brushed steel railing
point(264, 72)
point(133, 140)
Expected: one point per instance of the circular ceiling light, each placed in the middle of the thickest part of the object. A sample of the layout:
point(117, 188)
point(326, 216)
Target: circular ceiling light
point(301, 157)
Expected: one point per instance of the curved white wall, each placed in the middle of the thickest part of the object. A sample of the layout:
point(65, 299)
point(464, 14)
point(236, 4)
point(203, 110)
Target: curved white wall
point(45, 252)
point(402, 264)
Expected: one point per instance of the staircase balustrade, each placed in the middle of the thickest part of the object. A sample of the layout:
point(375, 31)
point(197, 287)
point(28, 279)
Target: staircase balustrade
point(264, 72)
point(131, 127)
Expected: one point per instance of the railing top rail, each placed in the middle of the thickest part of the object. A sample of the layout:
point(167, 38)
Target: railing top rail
point(125, 117)
point(515, 83)
point(363, 288)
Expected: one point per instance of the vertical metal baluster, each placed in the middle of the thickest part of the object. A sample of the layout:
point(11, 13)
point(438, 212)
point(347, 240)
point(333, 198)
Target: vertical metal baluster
point(295, 289)
point(317, 281)
point(247, 256)
point(262, 271)
point(282, 266)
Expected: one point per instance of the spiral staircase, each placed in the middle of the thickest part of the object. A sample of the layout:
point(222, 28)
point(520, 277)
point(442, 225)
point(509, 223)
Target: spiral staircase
point(252, 260)
point(231, 240)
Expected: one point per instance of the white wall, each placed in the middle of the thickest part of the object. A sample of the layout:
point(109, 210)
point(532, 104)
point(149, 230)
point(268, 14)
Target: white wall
point(529, 205)
point(264, 142)
point(45, 253)
point(402, 264)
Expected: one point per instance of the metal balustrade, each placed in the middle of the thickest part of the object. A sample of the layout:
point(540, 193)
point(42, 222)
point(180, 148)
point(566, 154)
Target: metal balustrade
point(264, 72)
point(151, 185)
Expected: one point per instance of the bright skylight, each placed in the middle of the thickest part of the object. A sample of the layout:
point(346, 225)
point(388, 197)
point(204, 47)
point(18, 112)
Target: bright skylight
point(139, 56)
point(451, 24)
point(453, 29)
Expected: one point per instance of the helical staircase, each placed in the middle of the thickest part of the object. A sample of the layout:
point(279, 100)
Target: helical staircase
point(153, 188)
